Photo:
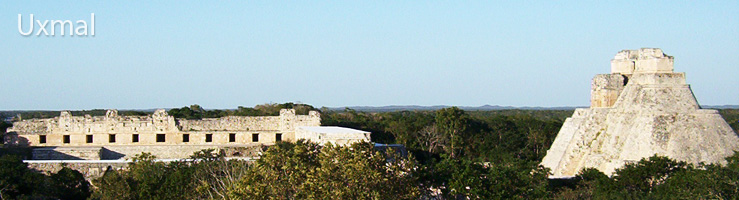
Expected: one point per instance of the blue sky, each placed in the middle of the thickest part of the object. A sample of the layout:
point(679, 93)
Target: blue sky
point(373, 53)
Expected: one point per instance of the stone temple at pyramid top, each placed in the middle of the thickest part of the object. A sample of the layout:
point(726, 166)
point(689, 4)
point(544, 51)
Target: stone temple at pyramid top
point(644, 60)
point(642, 108)
point(645, 67)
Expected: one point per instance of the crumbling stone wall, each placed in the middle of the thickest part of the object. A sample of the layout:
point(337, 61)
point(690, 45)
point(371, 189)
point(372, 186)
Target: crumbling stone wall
point(157, 129)
point(605, 89)
point(644, 60)
point(332, 134)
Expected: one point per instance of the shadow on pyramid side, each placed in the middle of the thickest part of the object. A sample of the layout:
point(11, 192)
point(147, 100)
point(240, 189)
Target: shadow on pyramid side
point(641, 109)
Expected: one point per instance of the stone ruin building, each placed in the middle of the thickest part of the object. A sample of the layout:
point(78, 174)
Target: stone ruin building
point(640, 109)
point(112, 136)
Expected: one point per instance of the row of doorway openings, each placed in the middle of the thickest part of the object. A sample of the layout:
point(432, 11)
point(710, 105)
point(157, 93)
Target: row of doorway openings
point(160, 138)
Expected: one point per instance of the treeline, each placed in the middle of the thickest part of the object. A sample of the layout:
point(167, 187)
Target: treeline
point(197, 112)
point(558, 115)
point(484, 136)
point(481, 156)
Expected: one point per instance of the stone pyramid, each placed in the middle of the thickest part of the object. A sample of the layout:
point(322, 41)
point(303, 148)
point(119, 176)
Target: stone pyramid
point(641, 109)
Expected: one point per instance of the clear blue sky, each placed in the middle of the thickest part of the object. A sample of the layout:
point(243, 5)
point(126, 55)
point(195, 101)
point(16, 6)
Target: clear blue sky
point(373, 53)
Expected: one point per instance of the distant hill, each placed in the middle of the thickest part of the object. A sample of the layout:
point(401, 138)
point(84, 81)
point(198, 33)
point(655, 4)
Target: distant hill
point(480, 108)
point(437, 107)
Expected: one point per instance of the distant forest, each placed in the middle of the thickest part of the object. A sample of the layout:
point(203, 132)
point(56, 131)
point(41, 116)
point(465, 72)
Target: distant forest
point(454, 154)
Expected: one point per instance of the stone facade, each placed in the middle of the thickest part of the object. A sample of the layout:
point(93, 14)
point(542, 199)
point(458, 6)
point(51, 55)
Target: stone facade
point(157, 129)
point(112, 137)
point(605, 89)
point(641, 109)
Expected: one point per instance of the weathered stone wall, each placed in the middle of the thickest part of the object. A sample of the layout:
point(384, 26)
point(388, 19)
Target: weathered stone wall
point(231, 123)
point(157, 129)
point(605, 89)
point(335, 135)
point(645, 60)
point(111, 123)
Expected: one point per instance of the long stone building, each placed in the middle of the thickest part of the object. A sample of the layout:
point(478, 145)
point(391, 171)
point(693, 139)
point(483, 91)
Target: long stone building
point(640, 109)
point(113, 136)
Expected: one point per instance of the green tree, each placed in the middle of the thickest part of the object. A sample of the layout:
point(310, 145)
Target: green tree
point(16, 180)
point(695, 183)
point(360, 172)
point(280, 172)
point(146, 178)
point(113, 185)
point(656, 178)
point(590, 184)
point(640, 178)
point(69, 184)
point(461, 178)
point(452, 122)
point(147, 175)
point(467, 179)
point(304, 170)
point(712, 181)
point(214, 176)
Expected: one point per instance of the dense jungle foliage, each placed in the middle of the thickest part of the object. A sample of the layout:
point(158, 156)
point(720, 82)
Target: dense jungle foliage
point(454, 154)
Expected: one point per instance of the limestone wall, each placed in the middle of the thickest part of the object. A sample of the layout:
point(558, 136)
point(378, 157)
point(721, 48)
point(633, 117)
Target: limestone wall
point(111, 123)
point(335, 135)
point(605, 89)
point(231, 123)
point(287, 120)
point(157, 129)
